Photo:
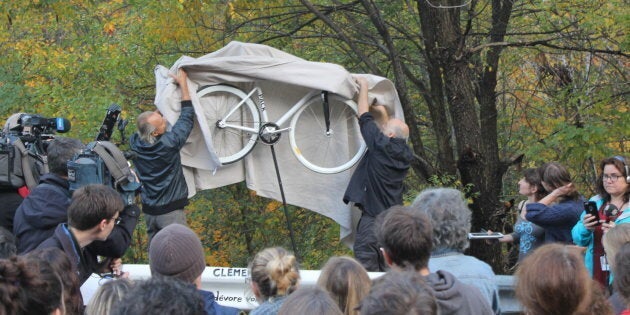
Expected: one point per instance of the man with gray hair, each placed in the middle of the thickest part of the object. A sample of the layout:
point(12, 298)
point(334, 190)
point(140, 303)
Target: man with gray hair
point(377, 183)
point(164, 190)
point(450, 217)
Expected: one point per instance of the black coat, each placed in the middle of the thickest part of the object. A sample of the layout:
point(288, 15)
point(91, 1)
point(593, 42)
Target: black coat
point(159, 166)
point(84, 260)
point(377, 182)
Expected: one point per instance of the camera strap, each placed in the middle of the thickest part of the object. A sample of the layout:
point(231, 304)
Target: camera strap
point(29, 178)
point(115, 161)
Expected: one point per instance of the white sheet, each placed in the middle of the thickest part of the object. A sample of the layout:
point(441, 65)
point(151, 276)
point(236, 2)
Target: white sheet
point(284, 79)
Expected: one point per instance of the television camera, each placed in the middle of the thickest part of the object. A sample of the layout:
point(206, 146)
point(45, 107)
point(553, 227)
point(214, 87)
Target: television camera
point(23, 148)
point(101, 162)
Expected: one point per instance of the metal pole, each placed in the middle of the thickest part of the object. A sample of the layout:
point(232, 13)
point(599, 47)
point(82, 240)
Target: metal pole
point(284, 204)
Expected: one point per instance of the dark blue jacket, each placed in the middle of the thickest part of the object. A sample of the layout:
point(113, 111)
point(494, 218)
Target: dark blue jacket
point(159, 166)
point(83, 260)
point(41, 211)
point(46, 207)
point(214, 308)
point(557, 219)
point(377, 183)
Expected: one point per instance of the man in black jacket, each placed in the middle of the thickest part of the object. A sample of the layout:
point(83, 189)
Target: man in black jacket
point(164, 190)
point(47, 206)
point(92, 215)
point(377, 183)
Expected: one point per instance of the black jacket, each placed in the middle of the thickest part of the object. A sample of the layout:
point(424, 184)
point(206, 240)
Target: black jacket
point(377, 182)
point(84, 260)
point(159, 166)
point(46, 207)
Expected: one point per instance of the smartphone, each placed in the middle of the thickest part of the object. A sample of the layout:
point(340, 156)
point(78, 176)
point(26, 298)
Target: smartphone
point(591, 208)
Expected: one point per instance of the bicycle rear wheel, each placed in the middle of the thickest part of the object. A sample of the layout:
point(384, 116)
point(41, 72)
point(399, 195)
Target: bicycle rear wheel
point(233, 136)
point(327, 152)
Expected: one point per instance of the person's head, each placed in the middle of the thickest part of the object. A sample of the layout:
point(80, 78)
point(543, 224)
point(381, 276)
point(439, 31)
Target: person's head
point(60, 263)
point(309, 301)
point(176, 251)
point(61, 150)
point(405, 236)
point(614, 239)
point(396, 128)
point(449, 214)
point(613, 167)
point(107, 296)
point(399, 292)
point(274, 272)
point(347, 282)
point(95, 206)
point(7, 243)
point(29, 286)
point(161, 295)
point(554, 280)
point(531, 184)
point(621, 268)
point(555, 175)
point(150, 126)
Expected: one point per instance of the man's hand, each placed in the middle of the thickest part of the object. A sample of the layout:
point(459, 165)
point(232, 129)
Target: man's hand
point(181, 79)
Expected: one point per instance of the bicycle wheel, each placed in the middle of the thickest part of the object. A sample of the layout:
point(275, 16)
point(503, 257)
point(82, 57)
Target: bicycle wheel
point(327, 152)
point(233, 120)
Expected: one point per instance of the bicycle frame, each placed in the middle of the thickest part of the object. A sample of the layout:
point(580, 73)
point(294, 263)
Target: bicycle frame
point(263, 112)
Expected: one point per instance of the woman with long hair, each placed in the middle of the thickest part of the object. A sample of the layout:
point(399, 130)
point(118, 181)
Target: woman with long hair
point(557, 212)
point(347, 282)
point(553, 281)
point(611, 201)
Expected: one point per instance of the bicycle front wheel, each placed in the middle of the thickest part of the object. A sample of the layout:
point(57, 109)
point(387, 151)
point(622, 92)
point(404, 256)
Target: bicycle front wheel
point(233, 119)
point(327, 150)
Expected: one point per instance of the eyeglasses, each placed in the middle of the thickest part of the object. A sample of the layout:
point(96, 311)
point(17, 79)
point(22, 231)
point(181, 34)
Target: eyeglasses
point(117, 220)
point(614, 178)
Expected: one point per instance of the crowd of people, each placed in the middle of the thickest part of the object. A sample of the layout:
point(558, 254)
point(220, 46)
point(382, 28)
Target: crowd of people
point(567, 256)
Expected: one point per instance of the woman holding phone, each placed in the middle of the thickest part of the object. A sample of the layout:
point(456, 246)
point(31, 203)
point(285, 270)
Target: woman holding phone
point(611, 202)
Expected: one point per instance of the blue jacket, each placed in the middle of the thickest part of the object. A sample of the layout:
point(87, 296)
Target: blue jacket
point(557, 219)
point(41, 211)
point(584, 237)
point(214, 308)
point(159, 166)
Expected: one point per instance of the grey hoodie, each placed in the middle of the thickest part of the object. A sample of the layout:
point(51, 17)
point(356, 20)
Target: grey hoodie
point(455, 297)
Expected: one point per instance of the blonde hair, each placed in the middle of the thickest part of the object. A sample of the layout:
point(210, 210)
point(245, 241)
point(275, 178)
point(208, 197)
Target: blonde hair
point(614, 239)
point(275, 272)
point(346, 281)
point(107, 296)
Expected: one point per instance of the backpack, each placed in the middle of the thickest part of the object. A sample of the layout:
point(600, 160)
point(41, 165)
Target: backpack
point(20, 165)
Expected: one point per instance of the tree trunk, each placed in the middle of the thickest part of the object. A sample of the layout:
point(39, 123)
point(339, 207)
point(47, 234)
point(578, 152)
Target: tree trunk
point(472, 111)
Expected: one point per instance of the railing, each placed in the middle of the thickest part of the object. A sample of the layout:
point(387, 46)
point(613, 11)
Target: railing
point(230, 286)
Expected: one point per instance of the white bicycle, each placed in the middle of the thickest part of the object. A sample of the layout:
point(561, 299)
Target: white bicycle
point(324, 132)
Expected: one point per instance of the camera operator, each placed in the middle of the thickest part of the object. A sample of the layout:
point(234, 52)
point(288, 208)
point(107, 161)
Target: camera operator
point(164, 190)
point(10, 197)
point(47, 206)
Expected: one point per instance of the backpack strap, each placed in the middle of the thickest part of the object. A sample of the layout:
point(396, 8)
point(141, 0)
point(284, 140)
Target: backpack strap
point(115, 161)
point(29, 178)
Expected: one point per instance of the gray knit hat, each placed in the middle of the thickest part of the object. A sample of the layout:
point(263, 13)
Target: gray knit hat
point(176, 251)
